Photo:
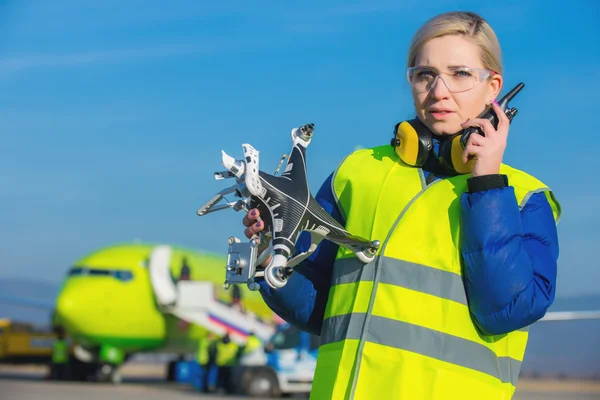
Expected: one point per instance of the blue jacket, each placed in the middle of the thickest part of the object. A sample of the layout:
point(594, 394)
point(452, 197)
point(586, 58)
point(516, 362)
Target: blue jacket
point(510, 270)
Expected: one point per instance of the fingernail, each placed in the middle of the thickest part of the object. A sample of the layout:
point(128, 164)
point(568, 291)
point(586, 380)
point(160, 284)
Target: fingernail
point(257, 224)
point(253, 213)
point(496, 103)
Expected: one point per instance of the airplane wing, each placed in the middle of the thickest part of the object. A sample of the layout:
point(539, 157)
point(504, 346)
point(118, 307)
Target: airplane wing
point(26, 302)
point(550, 316)
point(570, 315)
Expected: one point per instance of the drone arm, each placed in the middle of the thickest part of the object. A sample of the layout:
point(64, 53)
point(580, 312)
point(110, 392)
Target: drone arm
point(303, 299)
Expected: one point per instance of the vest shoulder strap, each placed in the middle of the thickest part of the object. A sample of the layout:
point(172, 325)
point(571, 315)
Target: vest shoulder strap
point(526, 185)
point(360, 166)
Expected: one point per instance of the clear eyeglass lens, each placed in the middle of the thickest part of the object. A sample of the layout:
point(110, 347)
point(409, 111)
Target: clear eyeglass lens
point(459, 80)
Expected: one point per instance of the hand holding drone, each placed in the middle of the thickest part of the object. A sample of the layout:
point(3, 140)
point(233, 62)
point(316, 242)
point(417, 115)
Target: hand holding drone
point(287, 207)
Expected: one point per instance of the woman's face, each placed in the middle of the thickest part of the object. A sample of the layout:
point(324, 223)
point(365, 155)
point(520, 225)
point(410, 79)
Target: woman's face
point(461, 92)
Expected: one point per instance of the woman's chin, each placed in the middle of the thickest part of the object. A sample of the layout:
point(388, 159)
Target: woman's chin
point(444, 128)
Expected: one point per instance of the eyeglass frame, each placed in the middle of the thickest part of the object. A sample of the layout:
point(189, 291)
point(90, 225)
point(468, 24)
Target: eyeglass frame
point(484, 74)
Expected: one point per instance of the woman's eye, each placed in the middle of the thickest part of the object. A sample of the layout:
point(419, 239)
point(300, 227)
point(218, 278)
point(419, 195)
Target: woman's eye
point(462, 74)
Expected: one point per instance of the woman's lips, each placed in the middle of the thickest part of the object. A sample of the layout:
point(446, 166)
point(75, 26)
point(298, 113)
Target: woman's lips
point(441, 114)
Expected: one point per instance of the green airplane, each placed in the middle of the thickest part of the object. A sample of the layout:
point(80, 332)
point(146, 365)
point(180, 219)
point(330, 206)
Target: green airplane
point(139, 297)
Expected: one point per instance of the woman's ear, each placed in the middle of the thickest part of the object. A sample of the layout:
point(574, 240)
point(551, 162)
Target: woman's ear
point(494, 87)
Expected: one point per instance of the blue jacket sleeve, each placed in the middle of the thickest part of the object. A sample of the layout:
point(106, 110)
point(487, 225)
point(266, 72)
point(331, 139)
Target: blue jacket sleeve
point(510, 258)
point(301, 302)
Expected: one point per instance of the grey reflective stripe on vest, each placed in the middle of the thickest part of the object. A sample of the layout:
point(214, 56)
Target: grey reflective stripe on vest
point(421, 278)
point(421, 340)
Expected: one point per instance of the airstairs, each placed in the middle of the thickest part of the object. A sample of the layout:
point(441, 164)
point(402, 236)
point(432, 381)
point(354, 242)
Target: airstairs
point(195, 302)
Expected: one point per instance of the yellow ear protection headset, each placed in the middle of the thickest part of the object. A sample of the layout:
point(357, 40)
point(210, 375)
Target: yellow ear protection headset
point(413, 141)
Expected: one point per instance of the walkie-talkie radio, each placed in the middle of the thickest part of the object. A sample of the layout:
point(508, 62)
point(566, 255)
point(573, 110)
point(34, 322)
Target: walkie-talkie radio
point(491, 116)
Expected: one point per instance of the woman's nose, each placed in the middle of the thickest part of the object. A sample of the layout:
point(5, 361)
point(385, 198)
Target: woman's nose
point(439, 89)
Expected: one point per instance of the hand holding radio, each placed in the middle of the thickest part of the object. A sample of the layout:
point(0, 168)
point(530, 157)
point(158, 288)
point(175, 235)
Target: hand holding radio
point(492, 127)
point(488, 149)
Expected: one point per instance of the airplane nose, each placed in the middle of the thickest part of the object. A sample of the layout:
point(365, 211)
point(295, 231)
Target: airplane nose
point(65, 307)
point(95, 309)
point(78, 309)
point(67, 310)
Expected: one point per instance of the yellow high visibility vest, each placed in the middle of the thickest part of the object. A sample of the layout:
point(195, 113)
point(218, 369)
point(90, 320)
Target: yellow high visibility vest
point(202, 354)
point(399, 327)
point(252, 343)
point(226, 353)
point(60, 352)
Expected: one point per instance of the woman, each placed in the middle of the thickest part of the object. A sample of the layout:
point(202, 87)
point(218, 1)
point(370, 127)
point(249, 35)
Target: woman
point(467, 261)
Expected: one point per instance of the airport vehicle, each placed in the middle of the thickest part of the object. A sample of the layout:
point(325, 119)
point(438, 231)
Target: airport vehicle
point(138, 297)
point(284, 366)
point(23, 343)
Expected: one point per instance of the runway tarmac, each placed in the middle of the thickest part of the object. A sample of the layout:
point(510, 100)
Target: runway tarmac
point(34, 390)
point(18, 383)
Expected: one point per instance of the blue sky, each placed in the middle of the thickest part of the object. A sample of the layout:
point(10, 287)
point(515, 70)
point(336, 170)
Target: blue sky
point(113, 114)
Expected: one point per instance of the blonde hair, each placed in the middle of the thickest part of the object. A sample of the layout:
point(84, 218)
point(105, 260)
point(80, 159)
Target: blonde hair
point(467, 24)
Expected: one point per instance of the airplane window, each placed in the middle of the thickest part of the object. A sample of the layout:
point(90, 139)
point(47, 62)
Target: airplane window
point(98, 272)
point(75, 271)
point(122, 275)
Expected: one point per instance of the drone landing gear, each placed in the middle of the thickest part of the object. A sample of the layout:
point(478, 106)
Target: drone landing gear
point(367, 254)
point(243, 262)
point(276, 277)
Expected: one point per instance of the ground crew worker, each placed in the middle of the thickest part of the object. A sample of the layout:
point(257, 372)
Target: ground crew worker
point(252, 343)
point(454, 224)
point(206, 358)
point(227, 357)
point(59, 367)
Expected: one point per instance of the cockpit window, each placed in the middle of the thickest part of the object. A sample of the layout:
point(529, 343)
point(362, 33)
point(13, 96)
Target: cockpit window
point(120, 274)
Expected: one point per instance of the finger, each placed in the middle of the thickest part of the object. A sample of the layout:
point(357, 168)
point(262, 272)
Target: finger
point(477, 140)
point(469, 152)
point(254, 229)
point(482, 123)
point(251, 217)
point(503, 120)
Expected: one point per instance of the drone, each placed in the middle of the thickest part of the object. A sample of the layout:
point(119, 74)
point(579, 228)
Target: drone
point(287, 208)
